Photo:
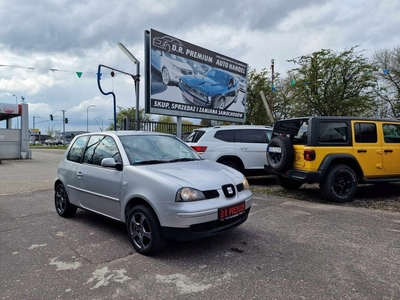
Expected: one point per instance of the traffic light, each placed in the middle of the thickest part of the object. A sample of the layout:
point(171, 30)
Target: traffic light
point(51, 117)
point(66, 120)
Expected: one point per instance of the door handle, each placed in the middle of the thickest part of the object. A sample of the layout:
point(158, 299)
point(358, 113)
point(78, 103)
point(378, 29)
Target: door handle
point(362, 151)
point(388, 151)
point(79, 174)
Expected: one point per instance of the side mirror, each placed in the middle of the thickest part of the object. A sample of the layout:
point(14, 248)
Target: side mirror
point(111, 163)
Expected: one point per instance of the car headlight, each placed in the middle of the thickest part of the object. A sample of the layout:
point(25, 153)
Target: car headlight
point(189, 194)
point(174, 67)
point(245, 184)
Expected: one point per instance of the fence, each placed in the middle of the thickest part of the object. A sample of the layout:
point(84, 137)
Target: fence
point(161, 127)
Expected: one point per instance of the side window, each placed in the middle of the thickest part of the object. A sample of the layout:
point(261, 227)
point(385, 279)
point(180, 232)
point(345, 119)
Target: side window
point(225, 135)
point(76, 150)
point(365, 133)
point(194, 136)
point(252, 136)
point(391, 133)
point(332, 132)
point(100, 147)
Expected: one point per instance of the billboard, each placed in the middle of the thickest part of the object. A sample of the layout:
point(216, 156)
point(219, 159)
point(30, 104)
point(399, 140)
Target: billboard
point(186, 80)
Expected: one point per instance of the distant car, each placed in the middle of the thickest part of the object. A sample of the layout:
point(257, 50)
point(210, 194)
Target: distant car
point(198, 68)
point(166, 43)
point(154, 183)
point(241, 147)
point(215, 89)
point(171, 66)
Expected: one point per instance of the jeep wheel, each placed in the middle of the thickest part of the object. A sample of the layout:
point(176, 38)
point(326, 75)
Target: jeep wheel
point(280, 153)
point(288, 184)
point(339, 184)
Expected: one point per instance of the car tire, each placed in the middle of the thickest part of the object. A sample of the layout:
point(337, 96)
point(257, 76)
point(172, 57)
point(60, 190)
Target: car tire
point(283, 161)
point(288, 184)
point(61, 201)
point(220, 103)
point(165, 76)
point(232, 164)
point(339, 184)
point(144, 231)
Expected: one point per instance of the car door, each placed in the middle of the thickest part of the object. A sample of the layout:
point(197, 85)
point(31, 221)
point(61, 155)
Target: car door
point(250, 146)
point(99, 188)
point(68, 169)
point(367, 148)
point(391, 148)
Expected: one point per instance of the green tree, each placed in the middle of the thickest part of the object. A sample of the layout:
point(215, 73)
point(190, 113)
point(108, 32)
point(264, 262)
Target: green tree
point(327, 83)
point(388, 82)
point(276, 96)
point(130, 113)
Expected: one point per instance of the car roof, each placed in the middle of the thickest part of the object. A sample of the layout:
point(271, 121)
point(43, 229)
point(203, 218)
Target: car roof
point(235, 127)
point(126, 133)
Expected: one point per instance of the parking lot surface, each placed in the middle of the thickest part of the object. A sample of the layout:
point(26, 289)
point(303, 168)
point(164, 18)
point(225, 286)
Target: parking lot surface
point(287, 249)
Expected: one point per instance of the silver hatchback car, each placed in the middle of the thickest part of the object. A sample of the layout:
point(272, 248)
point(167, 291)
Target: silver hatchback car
point(154, 183)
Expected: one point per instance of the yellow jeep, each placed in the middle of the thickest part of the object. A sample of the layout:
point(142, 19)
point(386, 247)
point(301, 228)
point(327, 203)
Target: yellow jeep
point(337, 152)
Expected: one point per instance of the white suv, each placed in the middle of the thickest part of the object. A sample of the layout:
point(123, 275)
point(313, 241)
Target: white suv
point(241, 147)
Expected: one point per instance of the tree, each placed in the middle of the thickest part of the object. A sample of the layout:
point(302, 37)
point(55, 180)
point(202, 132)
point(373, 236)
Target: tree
point(333, 84)
point(278, 97)
point(130, 113)
point(388, 82)
point(258, 81)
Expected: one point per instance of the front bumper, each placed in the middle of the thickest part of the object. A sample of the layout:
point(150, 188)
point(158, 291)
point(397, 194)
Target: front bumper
point(199, 231)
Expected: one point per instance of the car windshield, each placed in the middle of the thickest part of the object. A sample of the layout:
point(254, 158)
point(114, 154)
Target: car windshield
point(218, 76)
point(156, 149)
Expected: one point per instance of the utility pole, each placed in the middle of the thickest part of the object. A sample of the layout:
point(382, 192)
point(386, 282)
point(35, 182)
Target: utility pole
point(63, 111)
point(272, 87)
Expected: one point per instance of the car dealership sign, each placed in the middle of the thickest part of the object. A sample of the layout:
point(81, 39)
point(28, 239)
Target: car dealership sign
point(185, 80)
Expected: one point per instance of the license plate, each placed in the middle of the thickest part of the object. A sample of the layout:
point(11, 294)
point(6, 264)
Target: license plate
point(274, 150)
point(187, 96)
point(231, 211)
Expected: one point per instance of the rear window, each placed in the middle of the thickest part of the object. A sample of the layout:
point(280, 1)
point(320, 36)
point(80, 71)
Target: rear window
point(251, 136)
point(329, 132)
point(195, 136)
point(225, 135)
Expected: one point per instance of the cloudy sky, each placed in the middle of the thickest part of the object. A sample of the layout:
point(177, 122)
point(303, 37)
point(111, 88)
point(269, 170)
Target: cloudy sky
point(43, 43)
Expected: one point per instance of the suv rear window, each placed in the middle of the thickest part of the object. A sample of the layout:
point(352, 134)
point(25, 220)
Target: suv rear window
point(225, 135)
point(195, 136)
point(329, 132)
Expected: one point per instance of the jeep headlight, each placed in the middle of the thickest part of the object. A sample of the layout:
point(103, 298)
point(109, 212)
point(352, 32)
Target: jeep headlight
point(189, 194)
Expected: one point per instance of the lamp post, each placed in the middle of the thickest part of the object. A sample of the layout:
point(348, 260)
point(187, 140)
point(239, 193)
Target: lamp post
point(34, 132)
point(87, 117)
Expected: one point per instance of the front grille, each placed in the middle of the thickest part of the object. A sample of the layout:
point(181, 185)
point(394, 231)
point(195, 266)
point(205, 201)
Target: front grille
point(211, 194)
point(240, 187)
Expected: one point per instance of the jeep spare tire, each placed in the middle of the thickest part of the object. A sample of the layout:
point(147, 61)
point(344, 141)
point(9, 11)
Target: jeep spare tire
point(280, 153)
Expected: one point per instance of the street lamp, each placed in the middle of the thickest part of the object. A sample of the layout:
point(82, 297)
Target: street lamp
point(34, 132)
point(87, 117)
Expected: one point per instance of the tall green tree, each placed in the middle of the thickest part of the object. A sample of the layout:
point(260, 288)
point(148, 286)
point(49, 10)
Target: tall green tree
point(256, 112)
point(387, 62)
point(328, 83)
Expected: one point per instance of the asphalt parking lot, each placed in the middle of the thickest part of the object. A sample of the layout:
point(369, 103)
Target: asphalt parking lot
point(288, 249)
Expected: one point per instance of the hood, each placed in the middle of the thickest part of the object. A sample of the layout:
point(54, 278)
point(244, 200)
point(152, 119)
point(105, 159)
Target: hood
point(202, 83)
point(202, 174)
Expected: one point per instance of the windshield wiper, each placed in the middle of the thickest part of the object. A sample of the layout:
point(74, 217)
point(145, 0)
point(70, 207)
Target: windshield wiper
point(149, 162)
point(182, 159)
